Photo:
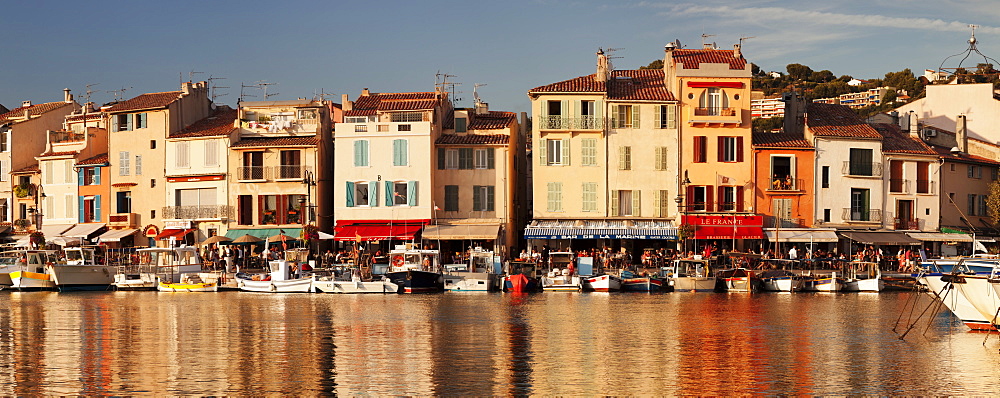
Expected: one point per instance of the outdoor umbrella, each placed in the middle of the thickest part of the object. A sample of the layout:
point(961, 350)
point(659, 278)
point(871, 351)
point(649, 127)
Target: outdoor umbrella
point(278, 238)
point(247, 239)
point(215, 239)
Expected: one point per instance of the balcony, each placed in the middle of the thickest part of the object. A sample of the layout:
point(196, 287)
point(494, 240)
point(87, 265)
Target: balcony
point(290, 172)
point(572, 123)
point(250, 173)
point(856, 169)
point(786, 184)
point(197, 212)
point(778, 222)
point(862, 215)
point(127, 220)
point(62, 137)
point(716, 115)
point(906, 225)
point(925, 187)
point(898, 185)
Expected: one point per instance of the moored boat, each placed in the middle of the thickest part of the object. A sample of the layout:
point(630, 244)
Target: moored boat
point(635, 283)
point(521, 277)
point(188, 283)
point(693, 276)
point(779, 280)
point(564, 279)
point(479, 275)
point(415, 271)
point(156, 265)
point(737, 280)
point(864, 277)
point(821, 282)
point(30, 271)
point(80, 271)
point(977, 289)
point(941, 286)
point(280, 279)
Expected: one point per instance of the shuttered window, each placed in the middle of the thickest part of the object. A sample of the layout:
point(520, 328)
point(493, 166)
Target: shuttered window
point(465, 158)
point(624, 158)
point(138, 165)
point(451, 198)
point(485, 158)
point(123, 163)
point(211, 153)
point(588, 152)
point(661, 161)
point(183, 155)
point(482, 198)
point(555, 196)
point(589, 196)
point(700, 149)
point(661, 201)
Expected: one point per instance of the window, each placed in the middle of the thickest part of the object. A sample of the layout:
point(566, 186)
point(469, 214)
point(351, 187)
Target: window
point(253, 166)
point(661, 160)
point(554, 197)
point(484, 158)
point(730, 149)
point(451, 198)
point(400, 152)
point(952, 167)
point(713, 102)
point(859, 205)
point(361, 194)
point(90, 175)
point(400, 193)
point(698, 199)
point(624, 158)
point(461, 124)
point(972, 205)
point(293, 213)
point(122, 122)
point(4, 170)
point(826, 215)
point(782, 210)
point(361, 153)
point(152, 144)
point(451, 159)
point(291, 164)
point(123, 202)
point(382, 128)
point(625, 203)
point(141, 120)
point(403, 127)
point(555, 152)
point(407, 117)
point(152, 183)
point(589, 196)
point(625, 116)
point(666, 117)
point(245, 208)
point(782, 173)
point(196, 197)
point(975, 171)
point(588, 115)
point(360, 128)
point(69, 210)
point(861, 162)
point(826, 177)
point(308, 114)
point(3, 209)
point(355, 119)
point(729, 199)
point(4, 135)
point(49, 172)
point(211, 153)
point(700, 149)
point(123, 163)
point(268, 209)
point(152, 214)
point(482, 198)
point(67, 166)
point(50, 206)
point(588, 149)
point(661, 203)
point(183, 155)
point(465, 161)
point(995, 173)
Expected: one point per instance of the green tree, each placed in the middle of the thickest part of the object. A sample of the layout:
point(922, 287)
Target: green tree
point(822, 76)
point(658, 64)
point(766, 125)
point(799, 71)
point(993, 202)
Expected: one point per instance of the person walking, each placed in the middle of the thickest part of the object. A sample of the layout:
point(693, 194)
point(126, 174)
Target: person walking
point(793, 253)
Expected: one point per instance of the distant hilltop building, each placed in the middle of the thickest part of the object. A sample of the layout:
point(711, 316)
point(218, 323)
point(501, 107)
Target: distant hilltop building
point(761, 107)
point(862, 99)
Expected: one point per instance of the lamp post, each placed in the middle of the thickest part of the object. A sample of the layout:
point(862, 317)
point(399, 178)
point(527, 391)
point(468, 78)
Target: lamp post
point(681, 207)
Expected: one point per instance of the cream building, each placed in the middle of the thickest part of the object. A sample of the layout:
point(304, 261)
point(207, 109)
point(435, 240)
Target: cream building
point(605, 154)
point(279, 149)
point(139, 128)
point(943, 104)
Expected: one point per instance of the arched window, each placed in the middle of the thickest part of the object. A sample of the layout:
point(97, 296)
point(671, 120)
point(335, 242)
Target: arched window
point(713, 100)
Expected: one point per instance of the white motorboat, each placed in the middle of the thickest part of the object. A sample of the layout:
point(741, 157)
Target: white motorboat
point(80, 271)
point(602, 283)
point(479, 275)
point(863, 277)
point(821, 282)
point(30, 271)
point(280, 279)
point(156, 265)
point(563, 279)
point(779, 281)
point(692, 276)
point(940, 286)
point(977, 288)
point(354, 286)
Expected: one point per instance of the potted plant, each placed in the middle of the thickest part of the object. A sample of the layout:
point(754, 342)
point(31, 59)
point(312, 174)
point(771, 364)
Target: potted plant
point(22, 190)
point(21, 223)
point(37, 238)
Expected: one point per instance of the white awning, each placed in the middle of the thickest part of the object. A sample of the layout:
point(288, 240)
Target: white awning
point(82, 231)
point(54, 230)
point(939, 237)
point(116, 235)
point(23, 242)
point(459, 232)
point(801, 235)
point(323, 235)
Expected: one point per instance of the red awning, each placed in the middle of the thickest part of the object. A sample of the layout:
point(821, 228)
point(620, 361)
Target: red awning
point(369, 230)
point(726, 227)
point(176, 233)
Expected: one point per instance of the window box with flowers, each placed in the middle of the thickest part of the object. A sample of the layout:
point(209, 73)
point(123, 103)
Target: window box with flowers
point(23, 190)
point(21, 224)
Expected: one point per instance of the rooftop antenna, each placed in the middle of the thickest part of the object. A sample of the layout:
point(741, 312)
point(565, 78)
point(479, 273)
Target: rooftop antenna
point(86, 101)
point(611, 56)
point(475, 92)
point(745, 38)
point(705, 36)
point(119, 93)
point(243, 93)
point(191, 75)
point(263, 84)
point(321, 96)
point(444, 85)
point(968, 52)
point(213, 87)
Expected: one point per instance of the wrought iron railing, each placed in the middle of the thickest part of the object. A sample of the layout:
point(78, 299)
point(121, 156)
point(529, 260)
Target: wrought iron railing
point(250, 173)
point(714, 111)
point(906, 224)
point(863, 169)
point(197, 212)
point(899, 185)
point(862, 215)
point(925, 186)
point(785, 184)
point(567, 123)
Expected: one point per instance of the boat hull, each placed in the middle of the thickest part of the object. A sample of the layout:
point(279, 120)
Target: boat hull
point(956, 302)
point(352, 287)
point(472, 282)
point(134, 282)
point(187, 287)
point(602, 283)
point(694, 283)
point(299, 285)
point(823, 284)
point(414, 281)
point(781, 284)
point(977, 290)
point(24, 280)
point(562, 284)
point(529, 284)
point(642, 284)
point(864, 285)
point(82, 277)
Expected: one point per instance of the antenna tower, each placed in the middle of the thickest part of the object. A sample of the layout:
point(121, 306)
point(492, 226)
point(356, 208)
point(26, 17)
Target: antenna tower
point(213, 87)
point(119, 93)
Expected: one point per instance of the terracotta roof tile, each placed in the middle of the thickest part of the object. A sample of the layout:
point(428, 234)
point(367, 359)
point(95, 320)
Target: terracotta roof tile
point(947, 154)
point(780, 140)
point(27, 170)
point(582, 84)
point(492, 120)
point(36, 109)
point(276, 142)
point(64, 153)
point(896, 141)
point(369, 104)
point(633, 84)
point(407, 105)
point(218, 124)
point(692, 58)
point(449, 120)
point(829, 120)
point(473, 139)
point(146, 101)
point(90, 116)
point(99, 159)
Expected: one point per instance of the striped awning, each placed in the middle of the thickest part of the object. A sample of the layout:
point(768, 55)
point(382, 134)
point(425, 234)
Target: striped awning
point(600, 229)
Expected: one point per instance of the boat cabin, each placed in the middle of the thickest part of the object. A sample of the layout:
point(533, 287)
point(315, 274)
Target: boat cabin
point(33, 260)
point(402, 259)
point(80, 255)
point(171, 259)
point(689, 267)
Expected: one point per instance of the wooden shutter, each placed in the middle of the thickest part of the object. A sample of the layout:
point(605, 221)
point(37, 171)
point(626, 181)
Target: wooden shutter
point(373, 193)
point(658, 163)
point(357, 153)
point(491, 158)
point(656, 203)
point(477, 198)
point(390, 190)
point(709, 203)
point(739, 149)
point(598, 111)
point(396, 158)
point(97, 208)
point(658, 120)
point(260, 209)
point(636, 203)
point(722, 148)
point(114, 123)
point(721, 199)
point(411, 193)
point(564, 109)
point(79, 177)
point(490, 198)
point(621, 158)
point(131, 121)
point(440, 158)
point(614, 203)
point(97, 175)
point(699, 149)
point(671, 116)
point(739, 199)
point(635, 117)
point(565, 152)
point(690, 198)
point(280, 208)
point(80, 214)
point(542, 147)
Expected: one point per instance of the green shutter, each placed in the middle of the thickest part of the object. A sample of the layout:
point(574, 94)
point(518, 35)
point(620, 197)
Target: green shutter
point(614, 203)
point(440, 158)
point(477, 198)
point(542, 147)
point(373, 193)
point(635, 116)
point(80, 213)
point(359, 153)
point(405, 153)
point(614, 117)
point(97, 175)
point(395, 153)
point(671, 116)
point(350, 194)
point(131, 121)
point(491, 158)
point(490, 193)
point(565, 152)
point(97, 208)
point(390, 190)
point(411, 191)
point(636, 203)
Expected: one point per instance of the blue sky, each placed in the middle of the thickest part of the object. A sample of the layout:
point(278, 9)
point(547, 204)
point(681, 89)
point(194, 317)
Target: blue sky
point(391, 46)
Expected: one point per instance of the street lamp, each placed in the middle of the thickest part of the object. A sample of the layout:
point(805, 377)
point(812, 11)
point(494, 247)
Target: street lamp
point(681, 207)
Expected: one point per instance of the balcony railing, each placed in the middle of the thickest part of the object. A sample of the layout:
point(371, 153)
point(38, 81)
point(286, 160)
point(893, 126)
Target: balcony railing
point(57, 137)
point(908, 225)
point(785, 184)
point(898, 185)
point(570, 123)
point(716, 115)
point(862, 169)
point(925, 186)
point(250, 173)
point(197, 212)
point(778, 222)
point(862, 215)
point(128, 220)
point(290, 171)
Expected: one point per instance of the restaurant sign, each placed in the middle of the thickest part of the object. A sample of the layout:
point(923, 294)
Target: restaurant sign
point(726, 227)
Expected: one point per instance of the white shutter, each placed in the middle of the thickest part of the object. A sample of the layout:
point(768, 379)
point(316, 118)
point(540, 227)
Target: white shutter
point(636, 204)
point(657, 198)
point(48, 173)
point(671, 116)
point(68, 172)
point(211, 153)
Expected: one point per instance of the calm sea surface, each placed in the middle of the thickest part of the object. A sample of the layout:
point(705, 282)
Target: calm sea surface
point(233, 343)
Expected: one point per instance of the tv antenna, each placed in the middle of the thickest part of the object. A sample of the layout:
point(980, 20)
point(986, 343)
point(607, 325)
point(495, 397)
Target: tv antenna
point(213, 87)
point(706, 36)
point(611, 51)
point(119, 93)
point(191, 75)
point(243, 94)
point(263, 84)
point(321, 96)
point(87, 93)
point(442, 82)
point(745, 38)
point(475, 91)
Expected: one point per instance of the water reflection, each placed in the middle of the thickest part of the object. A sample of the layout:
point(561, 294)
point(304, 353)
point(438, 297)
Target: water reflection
point(233, 343)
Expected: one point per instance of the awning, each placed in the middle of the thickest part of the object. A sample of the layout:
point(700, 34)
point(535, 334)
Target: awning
point(725, 226)
point(23, 242)
point(83, 230)
point(369, 230)
point(939, 237)
point(801, 235)
point(600, 229)
point(880, 238)
point(323, 235)
point(116, 235)
point(459, 232)
point(54, 230)
point(264, 233)
point(174, 233)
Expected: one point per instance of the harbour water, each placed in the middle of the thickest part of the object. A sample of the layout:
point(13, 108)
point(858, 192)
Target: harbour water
point(232, 343)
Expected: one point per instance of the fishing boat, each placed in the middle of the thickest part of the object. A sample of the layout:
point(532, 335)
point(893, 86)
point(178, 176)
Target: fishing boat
point(521, 277)
point(779, 280)
point(283, 276)
point(352, 281)
point(189, 283)
point(479, 275)
point(938, 276)
point(415, 270)
point(30, 271)
point(693, 275)
point(821, 282)
point(602, 283)
point(737, 280)
point(863, 277)
point(562, 275)
point(80, 271)
point(158, 265)
point(635, 283)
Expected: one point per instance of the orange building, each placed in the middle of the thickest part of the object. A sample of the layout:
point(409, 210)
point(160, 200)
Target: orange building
point(783, 164)
point(94, 190)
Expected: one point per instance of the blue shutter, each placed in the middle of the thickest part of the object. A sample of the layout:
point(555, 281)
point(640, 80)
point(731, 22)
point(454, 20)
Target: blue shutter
point(357, 153)
point(97, 208)
point(404, 152)
point(131, 121)
point(97, 175)
point(397, 158)
point(373, 193)
point(79, 177)
point(350, 194)
point(79, 212)
point(411, 192)
point(389, 190)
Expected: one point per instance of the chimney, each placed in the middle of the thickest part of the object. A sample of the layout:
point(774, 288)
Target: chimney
point(736, 51)
point(962, 134)
point(914, 127)
point(25, 103)
point(67, 97)
point(186, 88)
point(482, 108)
point(602, 67)
point(365, 92)
point(668, 65)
